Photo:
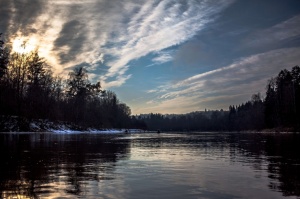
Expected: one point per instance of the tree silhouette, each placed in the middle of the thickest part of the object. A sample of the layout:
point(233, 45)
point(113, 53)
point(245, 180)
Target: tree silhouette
point(3, 57)
point(30, 91)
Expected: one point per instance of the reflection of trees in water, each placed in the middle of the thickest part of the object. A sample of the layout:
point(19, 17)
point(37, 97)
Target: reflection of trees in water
point(285, 163)
point(281, 153)
point(31, 164)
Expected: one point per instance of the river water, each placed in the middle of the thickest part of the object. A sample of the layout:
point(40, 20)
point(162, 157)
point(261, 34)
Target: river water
point(150, 165)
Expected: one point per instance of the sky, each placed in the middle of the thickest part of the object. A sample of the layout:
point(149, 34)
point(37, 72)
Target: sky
point(162, 56)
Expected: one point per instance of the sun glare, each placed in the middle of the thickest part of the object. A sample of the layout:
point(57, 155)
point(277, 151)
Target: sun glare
point(23, 45)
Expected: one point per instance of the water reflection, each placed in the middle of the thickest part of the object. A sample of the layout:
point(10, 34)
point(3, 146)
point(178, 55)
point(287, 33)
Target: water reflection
point(280, 153)
point(43, 164)
point(166, 165)
point(276, 153)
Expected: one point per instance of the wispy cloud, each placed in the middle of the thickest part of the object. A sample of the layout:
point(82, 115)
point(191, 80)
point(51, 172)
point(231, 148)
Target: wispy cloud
point(219, 88)
point(152, 91)
point(281, 32)
point(158, 25)
point(163, 57)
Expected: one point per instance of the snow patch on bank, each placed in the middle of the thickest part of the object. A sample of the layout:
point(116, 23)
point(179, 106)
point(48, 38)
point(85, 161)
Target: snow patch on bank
point(15, 124)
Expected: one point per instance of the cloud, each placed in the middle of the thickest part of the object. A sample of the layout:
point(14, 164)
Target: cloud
point(276, 34)
point(219, 88)
point(20, 15)
point(183, 104)
point(152, 91)
point(163, 57)
point(71, 37)
point(119, 81)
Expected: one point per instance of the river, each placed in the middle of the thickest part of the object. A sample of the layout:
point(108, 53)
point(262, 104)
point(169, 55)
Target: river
point(150, 165)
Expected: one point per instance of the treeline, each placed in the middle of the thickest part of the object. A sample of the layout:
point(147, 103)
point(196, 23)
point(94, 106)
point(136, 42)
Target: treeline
point(279, 109)
point(29, 90)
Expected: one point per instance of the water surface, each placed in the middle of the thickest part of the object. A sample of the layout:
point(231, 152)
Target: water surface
point(145, 165)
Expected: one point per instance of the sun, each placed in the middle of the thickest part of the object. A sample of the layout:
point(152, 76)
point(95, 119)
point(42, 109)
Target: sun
point(24, 45)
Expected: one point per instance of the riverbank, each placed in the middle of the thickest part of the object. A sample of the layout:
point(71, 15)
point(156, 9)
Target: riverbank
point(15, 124)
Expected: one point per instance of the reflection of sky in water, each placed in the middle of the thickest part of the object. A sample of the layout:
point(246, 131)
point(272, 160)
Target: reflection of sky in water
point(142, 166)
point(193, 172)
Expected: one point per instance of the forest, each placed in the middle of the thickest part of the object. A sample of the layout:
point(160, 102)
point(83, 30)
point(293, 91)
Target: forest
point(29, 90)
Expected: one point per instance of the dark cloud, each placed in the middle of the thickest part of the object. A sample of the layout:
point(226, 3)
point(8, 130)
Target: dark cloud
point(19, 15)
point(73, 37)
point(5, 12)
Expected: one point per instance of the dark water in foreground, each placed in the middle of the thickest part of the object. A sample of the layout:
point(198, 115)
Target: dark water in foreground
point(173, 165)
